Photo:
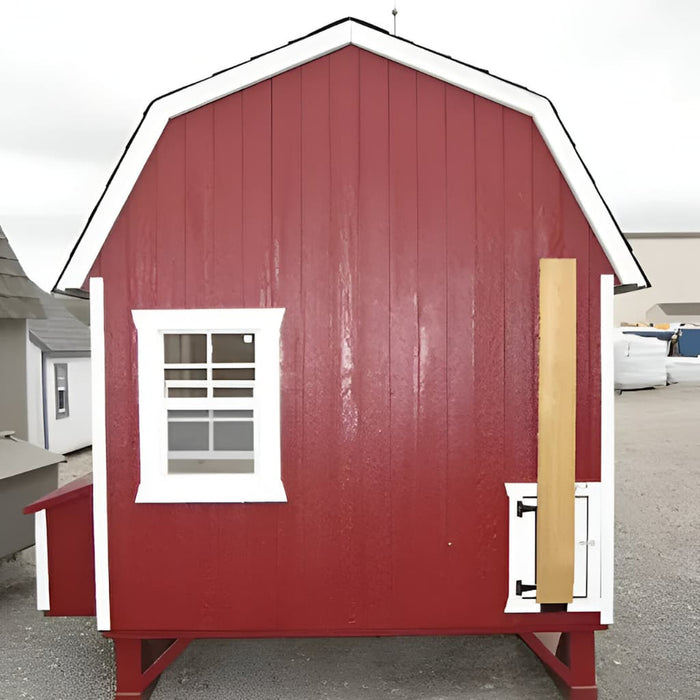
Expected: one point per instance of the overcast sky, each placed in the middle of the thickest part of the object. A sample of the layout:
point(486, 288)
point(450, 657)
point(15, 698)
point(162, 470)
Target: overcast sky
point(76, 76)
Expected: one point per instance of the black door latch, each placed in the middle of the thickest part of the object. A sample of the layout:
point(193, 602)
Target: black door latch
point(525, 509)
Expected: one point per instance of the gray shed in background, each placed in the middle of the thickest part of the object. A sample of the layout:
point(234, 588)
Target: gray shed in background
point(45, 382)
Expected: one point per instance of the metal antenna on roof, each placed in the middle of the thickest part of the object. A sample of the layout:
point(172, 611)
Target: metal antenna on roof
point(394, 12)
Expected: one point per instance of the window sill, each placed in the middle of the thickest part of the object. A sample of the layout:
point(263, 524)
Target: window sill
point(211, 488)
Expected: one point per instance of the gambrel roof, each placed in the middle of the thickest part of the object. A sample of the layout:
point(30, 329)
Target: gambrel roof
point(324, 41)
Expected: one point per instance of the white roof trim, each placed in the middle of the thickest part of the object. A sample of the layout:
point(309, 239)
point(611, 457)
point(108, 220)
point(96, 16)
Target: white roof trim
point(319, 44)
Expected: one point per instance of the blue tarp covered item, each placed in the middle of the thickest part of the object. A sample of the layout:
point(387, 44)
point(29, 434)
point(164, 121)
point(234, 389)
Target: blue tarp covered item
point(689, 342)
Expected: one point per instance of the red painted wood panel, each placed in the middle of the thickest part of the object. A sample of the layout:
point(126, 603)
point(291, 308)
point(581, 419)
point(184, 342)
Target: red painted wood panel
point(342, 403)
point(318, 461)
point(199, 207)
point(598, 265)
point(372, 345)
point(462, 440)
point(71, 558)
point(287, 241)
point(430, 535)
point(520, 304)
point(403, 342)
point(227, 266)
point(399, 222)
point(170, 212)
point(488, 493)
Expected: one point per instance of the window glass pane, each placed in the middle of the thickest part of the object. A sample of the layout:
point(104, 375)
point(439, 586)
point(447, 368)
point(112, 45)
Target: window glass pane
point(228, 392)
point(233, 435)
point(233, 347)
point(211, 466)
point(184, 393)
point(61, 377)
point(204, 415)
point(248, 373)
point(188, 436)
point(185, 348)
point(231, 414)
point(185, 374)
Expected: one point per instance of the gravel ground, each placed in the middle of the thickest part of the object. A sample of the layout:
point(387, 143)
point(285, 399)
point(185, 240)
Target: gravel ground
point(650, 653)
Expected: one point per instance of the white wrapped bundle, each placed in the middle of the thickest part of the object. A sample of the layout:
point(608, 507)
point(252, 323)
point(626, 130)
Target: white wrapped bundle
point(639, 362)
point(683, 369)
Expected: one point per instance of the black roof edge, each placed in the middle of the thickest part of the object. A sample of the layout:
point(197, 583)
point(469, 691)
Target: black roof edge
point(73, 292)
point(602, 199)
point(624, 288)
point(318, 31)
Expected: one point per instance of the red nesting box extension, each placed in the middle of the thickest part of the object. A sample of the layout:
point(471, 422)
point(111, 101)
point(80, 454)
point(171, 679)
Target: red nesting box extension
point(70, 548)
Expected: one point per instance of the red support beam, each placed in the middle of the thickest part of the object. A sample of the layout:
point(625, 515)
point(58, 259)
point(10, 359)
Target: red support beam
point(140, 662)
point(570, 660)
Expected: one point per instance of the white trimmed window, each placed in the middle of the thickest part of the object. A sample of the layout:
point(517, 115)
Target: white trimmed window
point(209, 405)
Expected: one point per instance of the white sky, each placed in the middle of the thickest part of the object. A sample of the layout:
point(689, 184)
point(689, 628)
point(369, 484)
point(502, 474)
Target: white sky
point(76, 76)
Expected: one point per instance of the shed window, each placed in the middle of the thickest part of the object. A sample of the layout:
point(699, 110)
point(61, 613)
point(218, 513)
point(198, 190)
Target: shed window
point(210, 365)
point(209, 405)
point(61, 386)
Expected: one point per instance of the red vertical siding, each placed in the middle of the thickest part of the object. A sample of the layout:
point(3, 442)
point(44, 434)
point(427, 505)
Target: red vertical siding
point(489, 351)
point(372, 344)
point(227, 280)
point(431, 301)
point(399, 222)
point(170, 253)
point(199, 207)
point(520, 304)
point(316, 283)
point(286, 232)
point(462, 440)
point(343, 271)
point(403, 339)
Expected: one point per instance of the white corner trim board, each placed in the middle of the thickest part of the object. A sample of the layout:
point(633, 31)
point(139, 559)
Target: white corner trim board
point(319, 44)
point(522, 549)
point(607, 449)
point(99, 455)
point(157, 483)
point(43, 601)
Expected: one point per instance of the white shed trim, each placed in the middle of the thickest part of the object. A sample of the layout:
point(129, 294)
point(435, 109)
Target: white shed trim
point(99, 455)
point(157, 484)
point(43, 601)
point(607, 451)
point(323, 42)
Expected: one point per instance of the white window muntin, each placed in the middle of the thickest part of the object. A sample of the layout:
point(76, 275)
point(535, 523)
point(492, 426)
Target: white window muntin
point(212, 410)
point(159, 486)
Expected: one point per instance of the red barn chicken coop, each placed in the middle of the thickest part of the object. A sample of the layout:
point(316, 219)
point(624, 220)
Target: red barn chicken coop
point(351, 310)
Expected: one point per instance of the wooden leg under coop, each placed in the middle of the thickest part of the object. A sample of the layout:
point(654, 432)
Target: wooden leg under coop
point(140, 662)
point(570, 659)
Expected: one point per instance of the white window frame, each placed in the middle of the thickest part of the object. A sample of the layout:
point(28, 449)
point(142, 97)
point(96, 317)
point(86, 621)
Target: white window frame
point(60, 374)
point(157, 485)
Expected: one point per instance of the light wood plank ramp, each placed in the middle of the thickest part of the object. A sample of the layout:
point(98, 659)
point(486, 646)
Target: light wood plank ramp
point(556, 461)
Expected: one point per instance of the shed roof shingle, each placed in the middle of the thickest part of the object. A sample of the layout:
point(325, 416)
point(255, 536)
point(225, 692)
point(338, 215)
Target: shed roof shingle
point(19, 296)
point(51, 325)
point(60, 331)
